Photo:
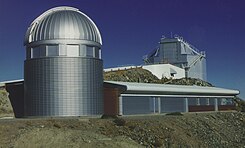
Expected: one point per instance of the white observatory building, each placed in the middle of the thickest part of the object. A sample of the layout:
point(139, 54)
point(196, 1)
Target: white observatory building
point(63, 66)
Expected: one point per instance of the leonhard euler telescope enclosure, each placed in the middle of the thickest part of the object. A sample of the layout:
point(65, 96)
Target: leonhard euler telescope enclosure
point(63, 66)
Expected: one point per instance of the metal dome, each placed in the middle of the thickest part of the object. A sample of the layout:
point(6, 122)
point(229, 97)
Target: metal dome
point(62, 24)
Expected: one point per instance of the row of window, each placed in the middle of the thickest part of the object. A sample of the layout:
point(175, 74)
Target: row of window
point(63, 50)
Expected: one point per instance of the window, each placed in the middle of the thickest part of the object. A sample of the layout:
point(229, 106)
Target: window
point(28, 53)
point(52, 50)
point(82, 50)
point(99, 53)
point(207, 101)
point(72, 50)
point(90, 51)
point(42, 51)
point(35, 52)
point(197, 101)
point(96, 52)
point(62, 50)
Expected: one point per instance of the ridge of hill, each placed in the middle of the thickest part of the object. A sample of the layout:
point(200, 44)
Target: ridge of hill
point(141, 75)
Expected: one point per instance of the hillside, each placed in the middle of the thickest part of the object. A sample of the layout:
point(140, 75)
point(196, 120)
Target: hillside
point(206, 130)
point(144, 76)
point(5, 105)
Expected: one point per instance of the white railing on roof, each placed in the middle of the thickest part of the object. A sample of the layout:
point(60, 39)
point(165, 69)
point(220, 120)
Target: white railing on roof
point(121, 68)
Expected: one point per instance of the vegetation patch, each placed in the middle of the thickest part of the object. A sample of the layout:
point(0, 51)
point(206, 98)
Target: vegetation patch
point(109, 116)
point(240, 104)
point(175, 114)
point(120, 122)
point(5, 105)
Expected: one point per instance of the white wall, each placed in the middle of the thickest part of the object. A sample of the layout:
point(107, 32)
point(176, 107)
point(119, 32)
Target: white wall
point(121, 68)
point(159, 70)
point(164, 70)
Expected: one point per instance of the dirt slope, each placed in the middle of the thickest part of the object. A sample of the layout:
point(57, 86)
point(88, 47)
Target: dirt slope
point(223, 129)
point(5, 105)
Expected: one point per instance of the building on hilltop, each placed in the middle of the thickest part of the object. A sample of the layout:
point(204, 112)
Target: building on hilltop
point(177, 52)
point(63, 66)
point(63, 74)
point(159, 70)
point(174, 58)
point(130, 98)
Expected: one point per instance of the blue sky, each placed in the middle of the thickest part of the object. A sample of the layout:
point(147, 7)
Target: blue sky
point(132, 28)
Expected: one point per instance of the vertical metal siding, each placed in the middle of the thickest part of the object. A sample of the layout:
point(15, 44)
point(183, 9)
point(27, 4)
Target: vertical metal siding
point(63, 86)
point(198, 70)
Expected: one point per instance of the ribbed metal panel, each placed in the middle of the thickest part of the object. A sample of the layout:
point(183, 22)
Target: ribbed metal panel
point(63, 23)
point(198, 70)
point(63, 86)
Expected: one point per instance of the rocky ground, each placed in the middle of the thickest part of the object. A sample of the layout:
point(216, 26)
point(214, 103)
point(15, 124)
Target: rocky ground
point(214, 129)
point(5, 105)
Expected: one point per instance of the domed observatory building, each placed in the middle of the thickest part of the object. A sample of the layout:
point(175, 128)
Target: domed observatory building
point(63, 66)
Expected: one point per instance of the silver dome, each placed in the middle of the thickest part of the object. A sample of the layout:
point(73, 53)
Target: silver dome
point(62, 24)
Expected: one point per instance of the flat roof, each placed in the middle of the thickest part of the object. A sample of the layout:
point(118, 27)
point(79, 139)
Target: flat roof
point(12, 81)
point(3, 83)
point(162, 89)
point(166, 89)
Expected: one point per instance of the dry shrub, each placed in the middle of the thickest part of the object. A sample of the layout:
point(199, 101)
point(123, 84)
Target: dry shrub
point(119, 122)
